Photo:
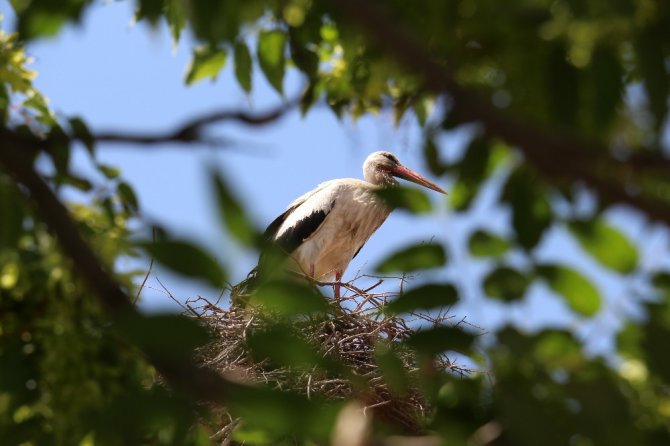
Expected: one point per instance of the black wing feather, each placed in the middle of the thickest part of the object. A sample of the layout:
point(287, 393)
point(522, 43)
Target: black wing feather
point(303, 229)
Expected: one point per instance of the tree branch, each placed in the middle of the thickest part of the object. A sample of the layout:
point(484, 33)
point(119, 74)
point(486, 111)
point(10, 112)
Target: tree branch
point(557, 156)
point(191, 130)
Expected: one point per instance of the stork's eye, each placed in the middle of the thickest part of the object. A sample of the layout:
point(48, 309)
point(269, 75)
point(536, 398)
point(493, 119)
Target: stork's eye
point(390, 157)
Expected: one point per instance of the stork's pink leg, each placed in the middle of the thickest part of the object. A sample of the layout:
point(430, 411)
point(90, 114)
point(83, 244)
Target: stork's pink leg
point(336, 287)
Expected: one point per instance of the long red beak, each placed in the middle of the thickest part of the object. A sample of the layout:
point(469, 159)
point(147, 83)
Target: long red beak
point(407, 174)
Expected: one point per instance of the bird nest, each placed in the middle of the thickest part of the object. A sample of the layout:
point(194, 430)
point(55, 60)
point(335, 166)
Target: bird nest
point(349, 333)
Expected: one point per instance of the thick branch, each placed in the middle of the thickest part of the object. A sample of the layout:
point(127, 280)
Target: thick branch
point(203, 384)
point(555, 155)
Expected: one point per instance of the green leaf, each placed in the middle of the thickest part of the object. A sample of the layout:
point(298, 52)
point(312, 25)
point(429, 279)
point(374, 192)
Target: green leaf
point(437, 340)
point(414, 258)
point(411, 199)
point(391, 367)
point(169, 337)
point(506, 283)
point(110, 172)
point(472, 171)
point(661, 281)
point(82, 133)
point(426, 297)
point(579, 293)
point(606, 244)
point(186, 259)
point(150, 9)
point(206, 62)
point(283, 348)
point(485, 244)
point(243, 65)
point(282, 412)
point(176, 17)
point(128, 197)
point(290, 298)
point(232, 213)
point(271, 57)
point(531, 211)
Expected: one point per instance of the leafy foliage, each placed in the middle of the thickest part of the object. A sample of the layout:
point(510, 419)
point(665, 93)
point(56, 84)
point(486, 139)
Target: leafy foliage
point(561, 100)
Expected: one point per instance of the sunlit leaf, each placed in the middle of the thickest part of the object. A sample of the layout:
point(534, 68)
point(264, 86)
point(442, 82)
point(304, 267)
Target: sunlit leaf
point(271, 57)
point(579, 293)
point(411, 199)
point(433, 341)
point(472, 171)
point(414, 258)
point(426, 297)
point(206, 62)
point(187, 259)
point(606, 243)
point(232, 213)
point(243, 65)
point(485, 244)
point(506, 283)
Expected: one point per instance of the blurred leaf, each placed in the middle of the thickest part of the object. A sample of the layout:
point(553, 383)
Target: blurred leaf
point(472, 171)
point(414, 258)
point(207, 61)
point(661, 281)
point(128, 197)
point(580, 294)
point(290, 298)
point(59, 150)
point(654, 339)
point(187, 259)
point(401, 197)
point(150, 10)
point(433, 341)
point(483, 244)
point(282, 412)
point(232, 213)
point(506, 283)
point(271, 57)
point(175, 15)
point(243, 65)
point(44, 18)
point(391, 367)
point(80, 131)
point(284, 348)
point(426, 297)
point(607, 244)
point(169, 337)
point(651, 61)
point(110, 172)
point(559, 349)
point(531, 212)
point(432, 156)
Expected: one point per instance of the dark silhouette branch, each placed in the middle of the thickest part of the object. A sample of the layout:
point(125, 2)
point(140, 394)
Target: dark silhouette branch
point(191, 130)
point(559, 157)
point(201, 383)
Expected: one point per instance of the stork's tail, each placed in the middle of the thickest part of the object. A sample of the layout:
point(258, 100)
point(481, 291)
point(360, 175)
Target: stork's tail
point(240, 293)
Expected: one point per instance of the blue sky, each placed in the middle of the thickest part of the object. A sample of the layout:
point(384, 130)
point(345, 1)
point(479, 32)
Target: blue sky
point(126, 77)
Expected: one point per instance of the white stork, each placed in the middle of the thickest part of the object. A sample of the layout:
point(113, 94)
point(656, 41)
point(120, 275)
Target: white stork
point(323, 230)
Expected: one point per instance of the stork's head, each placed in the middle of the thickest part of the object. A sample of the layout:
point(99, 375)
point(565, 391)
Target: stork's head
point(381, 168)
